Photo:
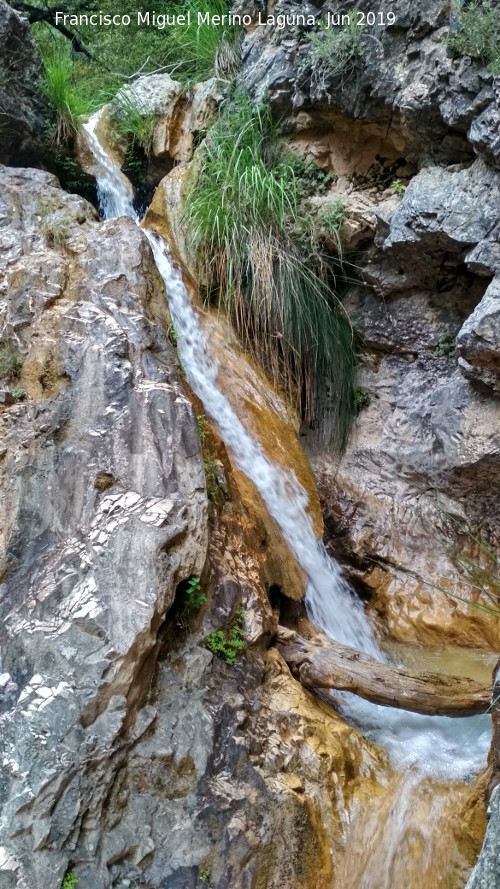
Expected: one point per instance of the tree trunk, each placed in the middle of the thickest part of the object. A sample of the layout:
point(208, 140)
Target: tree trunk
point(346, 669)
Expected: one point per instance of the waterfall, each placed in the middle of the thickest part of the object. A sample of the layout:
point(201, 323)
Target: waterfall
point(447, 748)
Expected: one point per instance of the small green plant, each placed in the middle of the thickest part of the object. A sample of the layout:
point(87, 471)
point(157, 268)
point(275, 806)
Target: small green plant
point(203, 427)
point(194, 596)
point(362, 399)
point(172, 334)
point(206, 877)
point(335, 52)
point(445, 348)
point(69, 881)
point(210, 463)
point(310, 179)
point(18, 393)
point(397, 187)
point(211, 467)
point(229, 642)
point(478, 35)
point(10, 363)
point(193, 599)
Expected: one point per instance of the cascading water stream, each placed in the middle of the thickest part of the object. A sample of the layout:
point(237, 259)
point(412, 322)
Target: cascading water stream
point(443, 747)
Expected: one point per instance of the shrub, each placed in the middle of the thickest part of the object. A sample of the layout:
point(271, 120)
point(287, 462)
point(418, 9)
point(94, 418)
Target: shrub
point(255, 251)
point(331, 221)
point(10, 363)
point(66, 102)
point(309, 178)
point(445, 348)
point(228, 643)
point(478, 35)
point(335, 52)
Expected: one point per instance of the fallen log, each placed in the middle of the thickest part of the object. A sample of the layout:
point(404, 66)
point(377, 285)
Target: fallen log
point(337, 666)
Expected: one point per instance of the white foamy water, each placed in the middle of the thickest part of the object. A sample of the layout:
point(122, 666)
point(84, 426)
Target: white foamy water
point(445, 747)
point(115, 198)
point(329, 597)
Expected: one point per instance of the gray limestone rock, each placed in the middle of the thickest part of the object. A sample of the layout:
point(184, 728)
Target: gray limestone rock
point(22, 105)
point(151, 94)
point(103, 514)
point(478, 342)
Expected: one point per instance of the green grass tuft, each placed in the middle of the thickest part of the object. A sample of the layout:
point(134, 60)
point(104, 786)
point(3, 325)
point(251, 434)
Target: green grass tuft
point(137, 128)
point(255, 251)
point(64, 98)
point(197, 52)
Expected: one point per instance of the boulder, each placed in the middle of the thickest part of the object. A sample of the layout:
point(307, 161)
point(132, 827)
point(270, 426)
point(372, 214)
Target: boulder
point(180, 114)
point(478, 342)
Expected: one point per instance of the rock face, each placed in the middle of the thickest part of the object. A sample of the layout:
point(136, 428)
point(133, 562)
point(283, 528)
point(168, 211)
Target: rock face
point(180, 114)
point(130, 753)
point(426, 441)
point(422, 462)
point(405, 99)
point(478, 341)
point(21, 103)
point(104, 513)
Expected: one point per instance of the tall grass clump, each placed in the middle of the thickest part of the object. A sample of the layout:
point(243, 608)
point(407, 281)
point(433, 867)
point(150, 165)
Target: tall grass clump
point(478, 35)
point(64, 98)
point(335, 52)
point(256, 253)
point(198, 51)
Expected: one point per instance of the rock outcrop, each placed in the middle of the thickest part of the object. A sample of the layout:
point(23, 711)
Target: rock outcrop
point(22, 105)
point(104, 513)
point(180, 114)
